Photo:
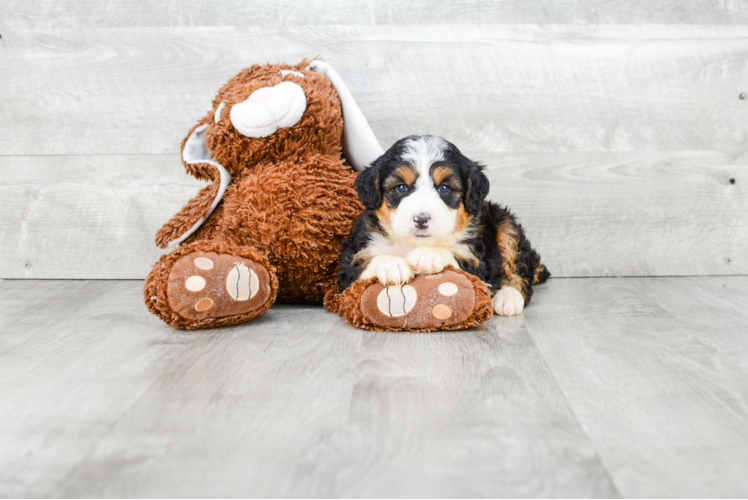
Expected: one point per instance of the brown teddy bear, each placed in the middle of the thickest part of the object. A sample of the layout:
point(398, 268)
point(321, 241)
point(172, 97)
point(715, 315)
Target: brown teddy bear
point(271, 224)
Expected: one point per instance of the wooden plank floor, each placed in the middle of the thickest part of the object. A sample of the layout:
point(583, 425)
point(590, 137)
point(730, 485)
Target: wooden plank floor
point(606, 387)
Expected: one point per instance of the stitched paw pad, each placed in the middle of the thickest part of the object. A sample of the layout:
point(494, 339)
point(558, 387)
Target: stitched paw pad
point(432, 301)
point(210, 285)
point(508, 301)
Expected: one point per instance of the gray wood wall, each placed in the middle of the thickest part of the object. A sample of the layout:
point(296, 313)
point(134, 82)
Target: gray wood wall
point(612, 128)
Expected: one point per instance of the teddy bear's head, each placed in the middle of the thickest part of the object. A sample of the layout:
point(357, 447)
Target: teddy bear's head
point(278, 112)
point(273, 112)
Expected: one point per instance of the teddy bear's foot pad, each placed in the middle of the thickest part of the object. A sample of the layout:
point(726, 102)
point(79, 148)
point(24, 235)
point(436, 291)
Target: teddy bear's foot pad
point(433, 301)
point(211, 285)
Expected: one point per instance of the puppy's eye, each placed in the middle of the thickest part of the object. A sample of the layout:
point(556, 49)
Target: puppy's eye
point(443, 189)
point(401, 188)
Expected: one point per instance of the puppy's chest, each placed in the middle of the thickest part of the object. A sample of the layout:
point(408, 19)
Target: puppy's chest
point(401, 249)
point(395, 249)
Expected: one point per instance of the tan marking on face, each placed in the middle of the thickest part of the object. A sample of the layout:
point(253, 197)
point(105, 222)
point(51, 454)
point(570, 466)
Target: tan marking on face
point(441, 174)
point(508, 239)
point(463, 218)
point(404, 174)
point(384, 215)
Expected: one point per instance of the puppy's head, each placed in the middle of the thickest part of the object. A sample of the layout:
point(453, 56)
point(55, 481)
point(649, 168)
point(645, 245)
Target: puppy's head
point(423, 190)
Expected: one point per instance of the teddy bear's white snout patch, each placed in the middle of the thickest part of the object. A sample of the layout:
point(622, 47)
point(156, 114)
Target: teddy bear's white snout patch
point(269, 109)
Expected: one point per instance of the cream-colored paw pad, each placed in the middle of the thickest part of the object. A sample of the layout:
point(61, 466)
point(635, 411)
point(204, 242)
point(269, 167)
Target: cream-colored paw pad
point(448, 289)
point(204, 263)
point(397, 300)
point(242, 283)
point(194, 283)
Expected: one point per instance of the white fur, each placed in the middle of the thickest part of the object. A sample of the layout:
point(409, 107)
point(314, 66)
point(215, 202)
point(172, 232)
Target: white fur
point(508, 301)
point(389, 270)
point(430, 260)
point(422, 153)
point(381, 245)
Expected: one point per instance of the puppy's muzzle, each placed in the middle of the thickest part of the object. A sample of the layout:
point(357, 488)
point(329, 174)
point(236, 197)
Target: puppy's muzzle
point(422, 221)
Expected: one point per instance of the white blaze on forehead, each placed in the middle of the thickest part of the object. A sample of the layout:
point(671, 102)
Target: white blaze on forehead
point(424, 152)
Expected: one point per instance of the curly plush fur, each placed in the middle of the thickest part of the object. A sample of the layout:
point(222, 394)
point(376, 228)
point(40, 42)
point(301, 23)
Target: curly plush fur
point(290, 203)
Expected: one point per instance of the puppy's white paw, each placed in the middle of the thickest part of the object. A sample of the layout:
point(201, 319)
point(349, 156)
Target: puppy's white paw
point(508, 301)
point(388, 270)
point(428, 260)
point(425, 260)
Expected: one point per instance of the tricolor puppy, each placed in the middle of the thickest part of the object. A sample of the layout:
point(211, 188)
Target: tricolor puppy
point(426, 209)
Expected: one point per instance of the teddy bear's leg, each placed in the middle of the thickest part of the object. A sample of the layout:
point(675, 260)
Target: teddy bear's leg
point(450, 300)
point(206, 284)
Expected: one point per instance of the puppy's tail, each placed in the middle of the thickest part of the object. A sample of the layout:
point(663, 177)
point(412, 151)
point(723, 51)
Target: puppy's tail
point(541, 274)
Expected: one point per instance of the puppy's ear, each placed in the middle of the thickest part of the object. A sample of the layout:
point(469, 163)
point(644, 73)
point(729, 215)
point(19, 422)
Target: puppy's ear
point(369, 188)
point(477, 188)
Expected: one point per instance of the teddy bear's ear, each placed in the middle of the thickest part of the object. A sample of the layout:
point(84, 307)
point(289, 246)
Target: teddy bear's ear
point(369, 188)
point(360, 145)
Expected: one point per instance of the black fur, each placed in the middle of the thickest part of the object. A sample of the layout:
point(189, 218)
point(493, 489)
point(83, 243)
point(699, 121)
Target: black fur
point(350, 268)
point(473, 189)
point(475, 182)
point(367, 185)
point(485, 246)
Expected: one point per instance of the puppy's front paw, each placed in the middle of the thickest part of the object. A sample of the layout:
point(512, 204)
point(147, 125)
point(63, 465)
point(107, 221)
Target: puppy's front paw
point(508, 301)
point(427, 260)
point(388, 270)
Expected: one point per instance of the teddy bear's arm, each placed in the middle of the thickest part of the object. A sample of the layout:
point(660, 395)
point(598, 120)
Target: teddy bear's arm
point(188, 216)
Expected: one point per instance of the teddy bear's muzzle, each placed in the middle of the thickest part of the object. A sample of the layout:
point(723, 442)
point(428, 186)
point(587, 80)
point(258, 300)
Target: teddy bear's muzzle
point(268, 109)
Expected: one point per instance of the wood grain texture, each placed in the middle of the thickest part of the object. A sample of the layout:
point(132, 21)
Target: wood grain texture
point(127, 13)
point(588, 214)
point(628, 214)
point(485, 87)
point(84, 217)
point(111, 402)
point(631, 387)
point(655, 371)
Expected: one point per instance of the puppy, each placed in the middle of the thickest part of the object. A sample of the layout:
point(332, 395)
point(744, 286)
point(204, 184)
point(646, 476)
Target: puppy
point(426, 209)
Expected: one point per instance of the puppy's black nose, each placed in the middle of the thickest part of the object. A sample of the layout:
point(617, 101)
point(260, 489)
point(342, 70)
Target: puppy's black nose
point(422, 221)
